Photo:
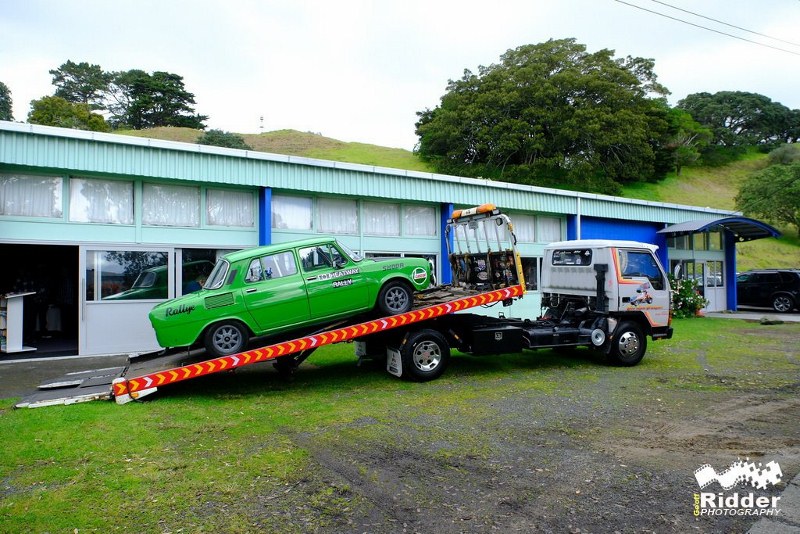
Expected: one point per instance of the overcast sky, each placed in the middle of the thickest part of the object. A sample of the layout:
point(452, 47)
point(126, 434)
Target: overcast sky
point(360, 70)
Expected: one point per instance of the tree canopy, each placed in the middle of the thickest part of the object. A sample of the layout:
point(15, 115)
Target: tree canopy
point(552, 114)
point(6, 113)
point(82, 83)
point(56, 111)
point(133, 98)
point(773, 194)
point(738, 118)
point(223, 139)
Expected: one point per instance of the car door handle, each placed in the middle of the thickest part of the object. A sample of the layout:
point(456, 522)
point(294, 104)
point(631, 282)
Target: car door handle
point(251, 290)
point(310, 278)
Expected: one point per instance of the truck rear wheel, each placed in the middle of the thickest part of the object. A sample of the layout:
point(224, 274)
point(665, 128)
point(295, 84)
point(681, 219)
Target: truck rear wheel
point(628, 345)
point(425, 355)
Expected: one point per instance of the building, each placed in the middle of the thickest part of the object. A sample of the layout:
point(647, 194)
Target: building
point(89, 216)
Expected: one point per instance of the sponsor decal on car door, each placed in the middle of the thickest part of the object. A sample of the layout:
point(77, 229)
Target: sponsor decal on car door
point(334, 284)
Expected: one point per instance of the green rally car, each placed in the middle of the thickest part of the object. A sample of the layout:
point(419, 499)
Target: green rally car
point(278, 288)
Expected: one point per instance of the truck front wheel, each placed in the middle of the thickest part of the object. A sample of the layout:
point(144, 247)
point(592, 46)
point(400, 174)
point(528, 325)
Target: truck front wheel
point(425, 355)
point(628, 345)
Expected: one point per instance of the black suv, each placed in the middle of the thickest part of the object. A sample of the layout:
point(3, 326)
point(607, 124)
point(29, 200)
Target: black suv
point(777, 288)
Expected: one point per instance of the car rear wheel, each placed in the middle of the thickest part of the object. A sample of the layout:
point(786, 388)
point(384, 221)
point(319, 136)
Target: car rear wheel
point(395, 297)
point(226, 338)
point(782, 303)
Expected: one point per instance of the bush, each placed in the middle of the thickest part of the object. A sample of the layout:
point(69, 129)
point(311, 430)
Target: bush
point(686, 298)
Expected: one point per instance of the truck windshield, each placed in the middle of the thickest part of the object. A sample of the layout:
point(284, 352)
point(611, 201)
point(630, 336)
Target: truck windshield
point(217, 276)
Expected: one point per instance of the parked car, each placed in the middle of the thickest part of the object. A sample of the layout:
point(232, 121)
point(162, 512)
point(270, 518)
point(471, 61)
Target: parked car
point(284, 287)
point(777, 288)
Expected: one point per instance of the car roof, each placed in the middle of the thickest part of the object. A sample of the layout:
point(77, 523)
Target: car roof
point(276, 247)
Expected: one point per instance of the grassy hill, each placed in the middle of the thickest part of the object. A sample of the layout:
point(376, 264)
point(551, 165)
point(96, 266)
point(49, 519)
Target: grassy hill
point(713, 187)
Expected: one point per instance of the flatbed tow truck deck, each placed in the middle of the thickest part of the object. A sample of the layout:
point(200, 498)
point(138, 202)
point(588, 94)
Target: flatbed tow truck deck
point(144, 373)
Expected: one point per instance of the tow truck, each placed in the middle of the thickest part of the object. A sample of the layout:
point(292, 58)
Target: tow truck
point(606, 295)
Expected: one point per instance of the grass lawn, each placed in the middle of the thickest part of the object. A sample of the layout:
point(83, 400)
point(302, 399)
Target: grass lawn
point(225, 453)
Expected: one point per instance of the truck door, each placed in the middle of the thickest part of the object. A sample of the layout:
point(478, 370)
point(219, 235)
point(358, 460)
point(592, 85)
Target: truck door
point(643, 286)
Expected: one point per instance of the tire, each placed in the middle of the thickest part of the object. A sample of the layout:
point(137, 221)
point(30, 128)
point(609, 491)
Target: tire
point(394, 298)
point(226, 338)
point(628, 345)
point(425, 355)
point(782, 303)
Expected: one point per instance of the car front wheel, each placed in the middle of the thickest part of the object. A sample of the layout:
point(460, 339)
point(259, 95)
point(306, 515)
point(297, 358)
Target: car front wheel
point(628, 345)
point(395, 298)
point(782, 303)
point(226, 338)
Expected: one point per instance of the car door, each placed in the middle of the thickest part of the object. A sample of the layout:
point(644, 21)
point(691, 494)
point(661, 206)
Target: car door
point(335, 284)
point(274, 291)
point(744, 288)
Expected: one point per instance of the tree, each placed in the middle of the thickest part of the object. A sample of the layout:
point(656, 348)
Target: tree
point(141, 100)
point(773, 194)
point(6, 109)
point(223, 139)
point(82, 83)
point(738, 118)
point(687, 138)
point(56, 111)
point(550, 114)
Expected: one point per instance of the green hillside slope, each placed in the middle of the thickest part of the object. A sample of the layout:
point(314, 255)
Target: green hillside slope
point(713, 187)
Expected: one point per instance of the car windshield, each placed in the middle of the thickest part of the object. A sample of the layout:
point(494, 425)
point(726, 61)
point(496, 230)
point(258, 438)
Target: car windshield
point(145, 279)
point(355, 256)
point(217, 276)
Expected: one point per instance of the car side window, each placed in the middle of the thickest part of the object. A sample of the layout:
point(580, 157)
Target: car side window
point(271, 267)
point(321, 257)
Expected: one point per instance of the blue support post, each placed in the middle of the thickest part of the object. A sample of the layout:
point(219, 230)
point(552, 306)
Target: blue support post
point(265, 216)
point(446, 243)
point(730, 271)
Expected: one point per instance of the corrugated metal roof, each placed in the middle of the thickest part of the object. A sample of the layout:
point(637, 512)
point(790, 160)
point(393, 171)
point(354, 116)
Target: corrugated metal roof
point(74, 152)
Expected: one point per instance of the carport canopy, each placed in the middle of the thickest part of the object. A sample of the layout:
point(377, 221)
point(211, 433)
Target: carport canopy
point(743, 228)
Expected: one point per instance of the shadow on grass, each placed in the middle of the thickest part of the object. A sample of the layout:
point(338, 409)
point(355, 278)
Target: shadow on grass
point(341, 373)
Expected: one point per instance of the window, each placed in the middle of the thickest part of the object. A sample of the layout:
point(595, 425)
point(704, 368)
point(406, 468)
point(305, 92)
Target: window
point(320, 257)
point(381, 218)
point(699, 241)
point(680, 242)
point(549, 229)
point(337, 216)
point(30, 196)
point(291, 213)
point(230, 208)
point(572, 257)
point(524, 228)
point(530, 269)
point(126, 275)
point(271, 267)
point(715, 241)
point(639, 264)
point(170, 205)
point(419, 220)
point(100, 201)
point(714, 275)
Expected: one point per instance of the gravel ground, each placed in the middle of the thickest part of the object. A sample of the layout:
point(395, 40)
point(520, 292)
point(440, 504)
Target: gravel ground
point(597, 449)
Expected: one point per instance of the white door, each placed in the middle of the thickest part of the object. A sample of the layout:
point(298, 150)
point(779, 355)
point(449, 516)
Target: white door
point(715, 290)
point(119, 287)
